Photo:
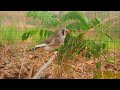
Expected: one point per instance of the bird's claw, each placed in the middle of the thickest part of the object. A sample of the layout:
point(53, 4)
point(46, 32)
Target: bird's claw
point(56, 53)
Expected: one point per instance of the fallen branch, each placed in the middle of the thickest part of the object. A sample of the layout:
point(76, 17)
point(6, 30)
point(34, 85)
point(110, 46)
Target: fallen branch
point(40, 71)
point(31, 71)
point(21, 68)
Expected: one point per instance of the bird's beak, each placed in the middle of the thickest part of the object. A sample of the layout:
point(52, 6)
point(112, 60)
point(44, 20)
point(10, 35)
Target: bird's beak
point(67, 31)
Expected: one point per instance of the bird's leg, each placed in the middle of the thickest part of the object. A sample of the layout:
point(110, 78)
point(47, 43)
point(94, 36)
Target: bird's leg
point(32, 49)
point(56, 53)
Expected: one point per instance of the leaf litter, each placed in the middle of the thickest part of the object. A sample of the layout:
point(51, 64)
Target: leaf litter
point(17, 63)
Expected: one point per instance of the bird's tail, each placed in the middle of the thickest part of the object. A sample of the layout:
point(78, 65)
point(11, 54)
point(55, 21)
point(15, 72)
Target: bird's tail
point(38, 46)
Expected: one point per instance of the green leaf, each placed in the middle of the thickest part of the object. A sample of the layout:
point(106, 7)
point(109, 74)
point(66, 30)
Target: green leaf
point(41, 33)
point(84, 22)
point(28, 34)
point(96, 46)
point(71, 15)
point(98, 65)
point(95, 21)
point(97, 75)
point(108, 36)
point(85, 27)
point(47, 18)
point(74, 15)
point(74, 26)
point(88, 54)
point(50, 33)
point(25, 35)
point(83, 44)
point(111, 60)
point(45, 33)
point(33, 32)
point(69, 38)
point(96, 54)
point(103, 45)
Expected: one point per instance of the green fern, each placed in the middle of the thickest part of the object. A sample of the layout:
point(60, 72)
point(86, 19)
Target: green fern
point(74, 15)
point(42, 33)
point(47, 18)
point(74, 26)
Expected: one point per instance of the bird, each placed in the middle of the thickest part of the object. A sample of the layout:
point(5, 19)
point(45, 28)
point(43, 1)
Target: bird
point(54, 41)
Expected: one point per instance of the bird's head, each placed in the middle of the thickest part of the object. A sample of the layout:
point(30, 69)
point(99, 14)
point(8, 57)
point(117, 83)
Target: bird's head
point(64, 31)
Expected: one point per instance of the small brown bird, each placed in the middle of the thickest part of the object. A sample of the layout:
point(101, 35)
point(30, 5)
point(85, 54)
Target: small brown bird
point(54, 41)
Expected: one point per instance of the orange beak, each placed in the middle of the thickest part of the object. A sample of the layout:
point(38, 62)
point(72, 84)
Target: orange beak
point(67, 31)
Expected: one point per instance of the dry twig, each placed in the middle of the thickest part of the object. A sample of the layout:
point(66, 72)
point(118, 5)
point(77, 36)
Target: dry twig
point(40, 71)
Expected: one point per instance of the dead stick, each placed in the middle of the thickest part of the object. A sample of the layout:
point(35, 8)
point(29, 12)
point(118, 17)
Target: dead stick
point(40, 71)
point(21, 68)
point(31, 71)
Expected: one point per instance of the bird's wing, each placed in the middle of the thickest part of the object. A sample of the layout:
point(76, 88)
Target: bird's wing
point(38, 46)
point(55, 43)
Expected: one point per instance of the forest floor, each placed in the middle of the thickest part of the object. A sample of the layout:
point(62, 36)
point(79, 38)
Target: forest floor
point(17, 63)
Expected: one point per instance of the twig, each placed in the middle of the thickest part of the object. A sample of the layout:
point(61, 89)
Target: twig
point(21, 68)
point(31, 71)
point(23, 60)
point(105, 20)
point(113, 24)
point(40, 71)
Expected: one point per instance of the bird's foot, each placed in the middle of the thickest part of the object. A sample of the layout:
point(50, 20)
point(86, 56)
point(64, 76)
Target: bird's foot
point(56, 53)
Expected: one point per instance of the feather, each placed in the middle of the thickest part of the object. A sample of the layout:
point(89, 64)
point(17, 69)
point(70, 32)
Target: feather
point(40, 45)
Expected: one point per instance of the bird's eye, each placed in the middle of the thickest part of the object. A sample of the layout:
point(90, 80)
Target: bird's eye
point(63, 32)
